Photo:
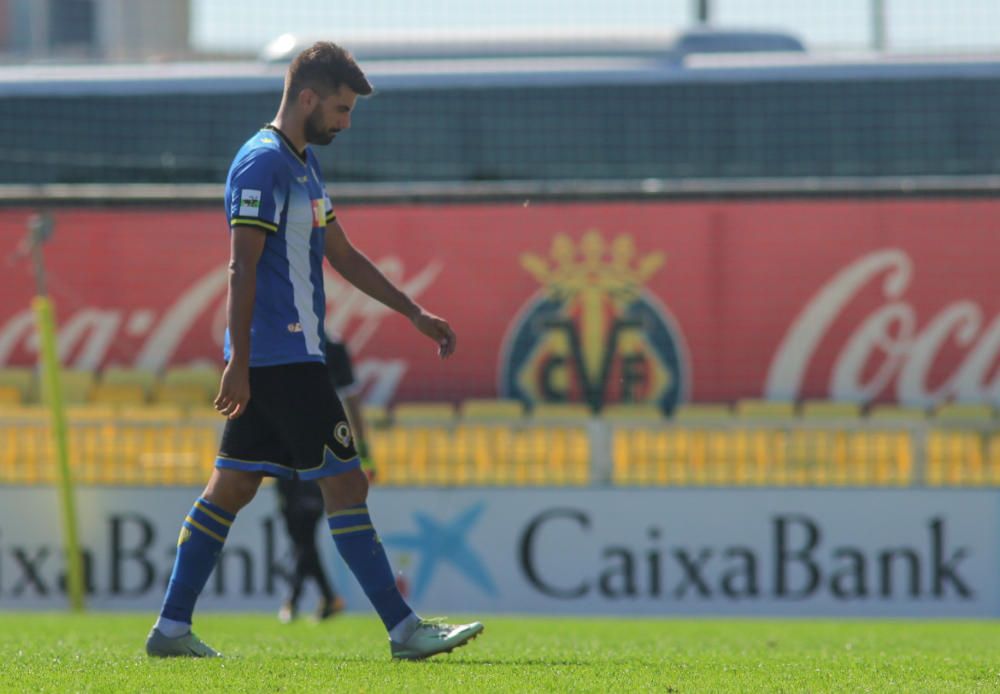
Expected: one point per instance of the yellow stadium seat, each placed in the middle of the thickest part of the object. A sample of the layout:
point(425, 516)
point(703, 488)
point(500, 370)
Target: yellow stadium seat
point(830, 409)
point(21, 378)
point(561, 412)
point(702, 412)
point(10, 395)
point(633, 412)
point(17, 413)
point(205, 376)
point(964, 412)
point(118, 394)
point(897, 413)
point(423, 413)
point(122, 376)
point(76, 385)
point(482, 410)
point(152, 413)
point(93, 412)
point(183, 394)
point(481, 454)
point(206, 414)
point(765, 409)
point(375, 415)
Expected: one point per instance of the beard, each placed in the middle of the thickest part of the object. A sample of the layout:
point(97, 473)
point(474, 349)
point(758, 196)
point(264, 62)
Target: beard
point(315, 133)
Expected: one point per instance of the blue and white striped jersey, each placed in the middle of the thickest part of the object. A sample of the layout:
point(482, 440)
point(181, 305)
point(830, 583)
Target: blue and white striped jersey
point(272, 187)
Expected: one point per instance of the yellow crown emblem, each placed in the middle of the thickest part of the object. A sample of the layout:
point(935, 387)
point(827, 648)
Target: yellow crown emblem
point(593, 270)
point(595, 282)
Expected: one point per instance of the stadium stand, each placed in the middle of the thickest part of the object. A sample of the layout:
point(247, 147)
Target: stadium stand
point(21, 380)
point(493, 443)
point(830, 410)
point(561, 413)
point(480, 410)
point(423, 413)
point(77, 385)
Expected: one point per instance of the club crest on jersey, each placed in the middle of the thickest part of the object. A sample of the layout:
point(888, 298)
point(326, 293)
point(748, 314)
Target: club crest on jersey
point(594, 333)
point(249, 203)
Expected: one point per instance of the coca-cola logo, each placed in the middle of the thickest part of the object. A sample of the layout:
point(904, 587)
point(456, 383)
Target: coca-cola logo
point(193, 324)
point(892, 351)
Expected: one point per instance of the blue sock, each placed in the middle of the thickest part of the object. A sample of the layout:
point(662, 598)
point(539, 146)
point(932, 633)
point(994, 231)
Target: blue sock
point(198, 547)
point(360, 547)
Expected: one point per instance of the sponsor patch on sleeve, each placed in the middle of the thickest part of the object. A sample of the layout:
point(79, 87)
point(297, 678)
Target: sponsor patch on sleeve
point(319, 213)
point(249, 203)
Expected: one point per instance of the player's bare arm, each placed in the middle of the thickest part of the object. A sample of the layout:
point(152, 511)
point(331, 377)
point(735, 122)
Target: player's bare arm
point(246, 247)
point(357, 269)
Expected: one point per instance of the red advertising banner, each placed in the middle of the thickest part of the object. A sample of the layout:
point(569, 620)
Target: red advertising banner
point(890, 300)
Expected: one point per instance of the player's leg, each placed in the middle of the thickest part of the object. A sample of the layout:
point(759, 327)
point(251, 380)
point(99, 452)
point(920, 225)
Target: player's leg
point(250, 448)
point(320, 440)
point(203, 534)
point(354, 534)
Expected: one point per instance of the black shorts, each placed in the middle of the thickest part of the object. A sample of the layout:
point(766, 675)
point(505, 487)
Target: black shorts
point(338, 364)
point(294, 426)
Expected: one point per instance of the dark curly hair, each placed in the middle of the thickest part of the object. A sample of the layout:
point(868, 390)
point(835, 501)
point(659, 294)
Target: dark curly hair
point(323, 67)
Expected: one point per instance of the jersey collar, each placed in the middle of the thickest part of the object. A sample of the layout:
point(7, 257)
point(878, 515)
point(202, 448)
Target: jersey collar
point(301, 156)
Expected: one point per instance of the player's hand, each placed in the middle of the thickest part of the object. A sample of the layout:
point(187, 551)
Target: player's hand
point(438, 330)
point(234, 391)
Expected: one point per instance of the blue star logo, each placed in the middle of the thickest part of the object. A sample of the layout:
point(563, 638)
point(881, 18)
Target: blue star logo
point(438, 542)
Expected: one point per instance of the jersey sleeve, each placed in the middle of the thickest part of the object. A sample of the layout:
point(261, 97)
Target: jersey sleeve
point(255, 189)
point(329, 212)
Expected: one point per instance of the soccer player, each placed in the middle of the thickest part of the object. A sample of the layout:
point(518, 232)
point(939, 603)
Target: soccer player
point(284, 419)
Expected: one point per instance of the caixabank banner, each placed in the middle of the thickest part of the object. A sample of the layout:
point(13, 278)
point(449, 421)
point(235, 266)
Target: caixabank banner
point(596, 302)
point(562, 551)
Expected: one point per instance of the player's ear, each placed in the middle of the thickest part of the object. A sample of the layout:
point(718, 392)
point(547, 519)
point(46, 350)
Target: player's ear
point(308, 98)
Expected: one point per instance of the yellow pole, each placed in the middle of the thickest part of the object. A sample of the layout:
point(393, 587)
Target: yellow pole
point(41, 228)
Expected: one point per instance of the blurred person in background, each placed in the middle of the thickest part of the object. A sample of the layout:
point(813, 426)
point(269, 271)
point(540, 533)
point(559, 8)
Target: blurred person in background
point(301, 506)
point(283, 417)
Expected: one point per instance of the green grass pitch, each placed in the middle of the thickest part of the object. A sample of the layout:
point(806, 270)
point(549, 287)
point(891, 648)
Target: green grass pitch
point(103, 653)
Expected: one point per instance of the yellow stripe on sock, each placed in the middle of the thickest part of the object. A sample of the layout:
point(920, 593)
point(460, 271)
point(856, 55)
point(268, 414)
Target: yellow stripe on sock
point(349, 512)
point(205, 530)
point(351, 529)
point(214, 516)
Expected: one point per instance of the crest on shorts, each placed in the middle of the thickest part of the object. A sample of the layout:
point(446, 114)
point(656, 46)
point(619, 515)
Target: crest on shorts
point(342, 432)
point(594, 333)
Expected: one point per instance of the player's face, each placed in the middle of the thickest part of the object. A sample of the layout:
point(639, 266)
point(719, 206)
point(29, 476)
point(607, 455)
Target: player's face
point(330, 115)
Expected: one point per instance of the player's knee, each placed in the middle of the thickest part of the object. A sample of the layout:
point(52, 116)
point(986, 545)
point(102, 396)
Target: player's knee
point(231, 490)
point(344, 491)
point(354, 490)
